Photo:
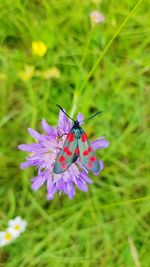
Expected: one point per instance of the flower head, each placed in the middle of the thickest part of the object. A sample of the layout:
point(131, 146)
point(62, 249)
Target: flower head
point(43, 155)
point(39, 48)
point(27, 74)
point(51, 73)
point(5, 238)
point(96, 17)
point(15, 227)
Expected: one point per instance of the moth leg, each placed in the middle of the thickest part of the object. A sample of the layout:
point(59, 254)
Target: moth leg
point(63, 135)
point(59, 147)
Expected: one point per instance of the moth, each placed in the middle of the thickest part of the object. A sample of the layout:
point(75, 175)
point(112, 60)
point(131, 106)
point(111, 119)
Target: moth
point(76, 145)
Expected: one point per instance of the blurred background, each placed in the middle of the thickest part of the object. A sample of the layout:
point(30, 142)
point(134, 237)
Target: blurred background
point(63, 52)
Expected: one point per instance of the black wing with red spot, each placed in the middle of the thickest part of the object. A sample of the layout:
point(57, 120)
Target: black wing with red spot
point(67, 154)
point(87, 155)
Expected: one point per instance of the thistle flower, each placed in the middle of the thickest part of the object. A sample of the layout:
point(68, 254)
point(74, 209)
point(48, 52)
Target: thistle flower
point(39, 48)
point(43, 155)
point(96, 17)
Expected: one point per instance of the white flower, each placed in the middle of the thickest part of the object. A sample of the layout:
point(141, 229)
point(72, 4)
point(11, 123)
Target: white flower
point(5, 237)
point(17, 226)
point(96, 17)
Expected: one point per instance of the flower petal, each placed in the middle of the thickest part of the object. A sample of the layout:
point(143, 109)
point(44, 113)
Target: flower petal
point(12, 222)
point(99, 143)
point(101, 165)
point(80, 118)
point(38, 181)
point(29, 148)
point(27, 164)
point(84, 176)
point(81, 185)
point(2, 234)
point(49, 184)
point(63, 123)
point(51, 194)
point(48, 129)
point(34, 134)
point(69, 189)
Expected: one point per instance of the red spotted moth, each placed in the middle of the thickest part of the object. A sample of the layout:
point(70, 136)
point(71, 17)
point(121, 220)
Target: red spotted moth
point(76, 145)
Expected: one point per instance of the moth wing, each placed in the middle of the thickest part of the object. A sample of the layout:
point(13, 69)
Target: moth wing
point(87, 155)
point(66, 156)
point(76, 154)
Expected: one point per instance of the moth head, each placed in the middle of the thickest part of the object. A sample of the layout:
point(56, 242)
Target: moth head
point(76, 124)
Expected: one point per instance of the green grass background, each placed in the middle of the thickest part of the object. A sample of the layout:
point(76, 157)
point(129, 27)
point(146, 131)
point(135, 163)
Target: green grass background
point(105, 68)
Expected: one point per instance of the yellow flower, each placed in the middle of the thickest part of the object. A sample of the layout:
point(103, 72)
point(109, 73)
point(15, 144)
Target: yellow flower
point(39, 48)
point(27, 73)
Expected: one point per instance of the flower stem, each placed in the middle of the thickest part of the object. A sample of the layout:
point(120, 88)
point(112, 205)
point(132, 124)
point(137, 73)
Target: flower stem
point(78, 92)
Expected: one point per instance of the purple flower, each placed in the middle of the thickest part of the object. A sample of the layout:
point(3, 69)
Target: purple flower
point(43, 155)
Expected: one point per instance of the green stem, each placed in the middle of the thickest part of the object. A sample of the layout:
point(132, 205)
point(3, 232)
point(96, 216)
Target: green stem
point(78, 92)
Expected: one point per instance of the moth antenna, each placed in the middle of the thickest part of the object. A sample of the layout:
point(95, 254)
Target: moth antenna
point(64, 112)
point(92, 116)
